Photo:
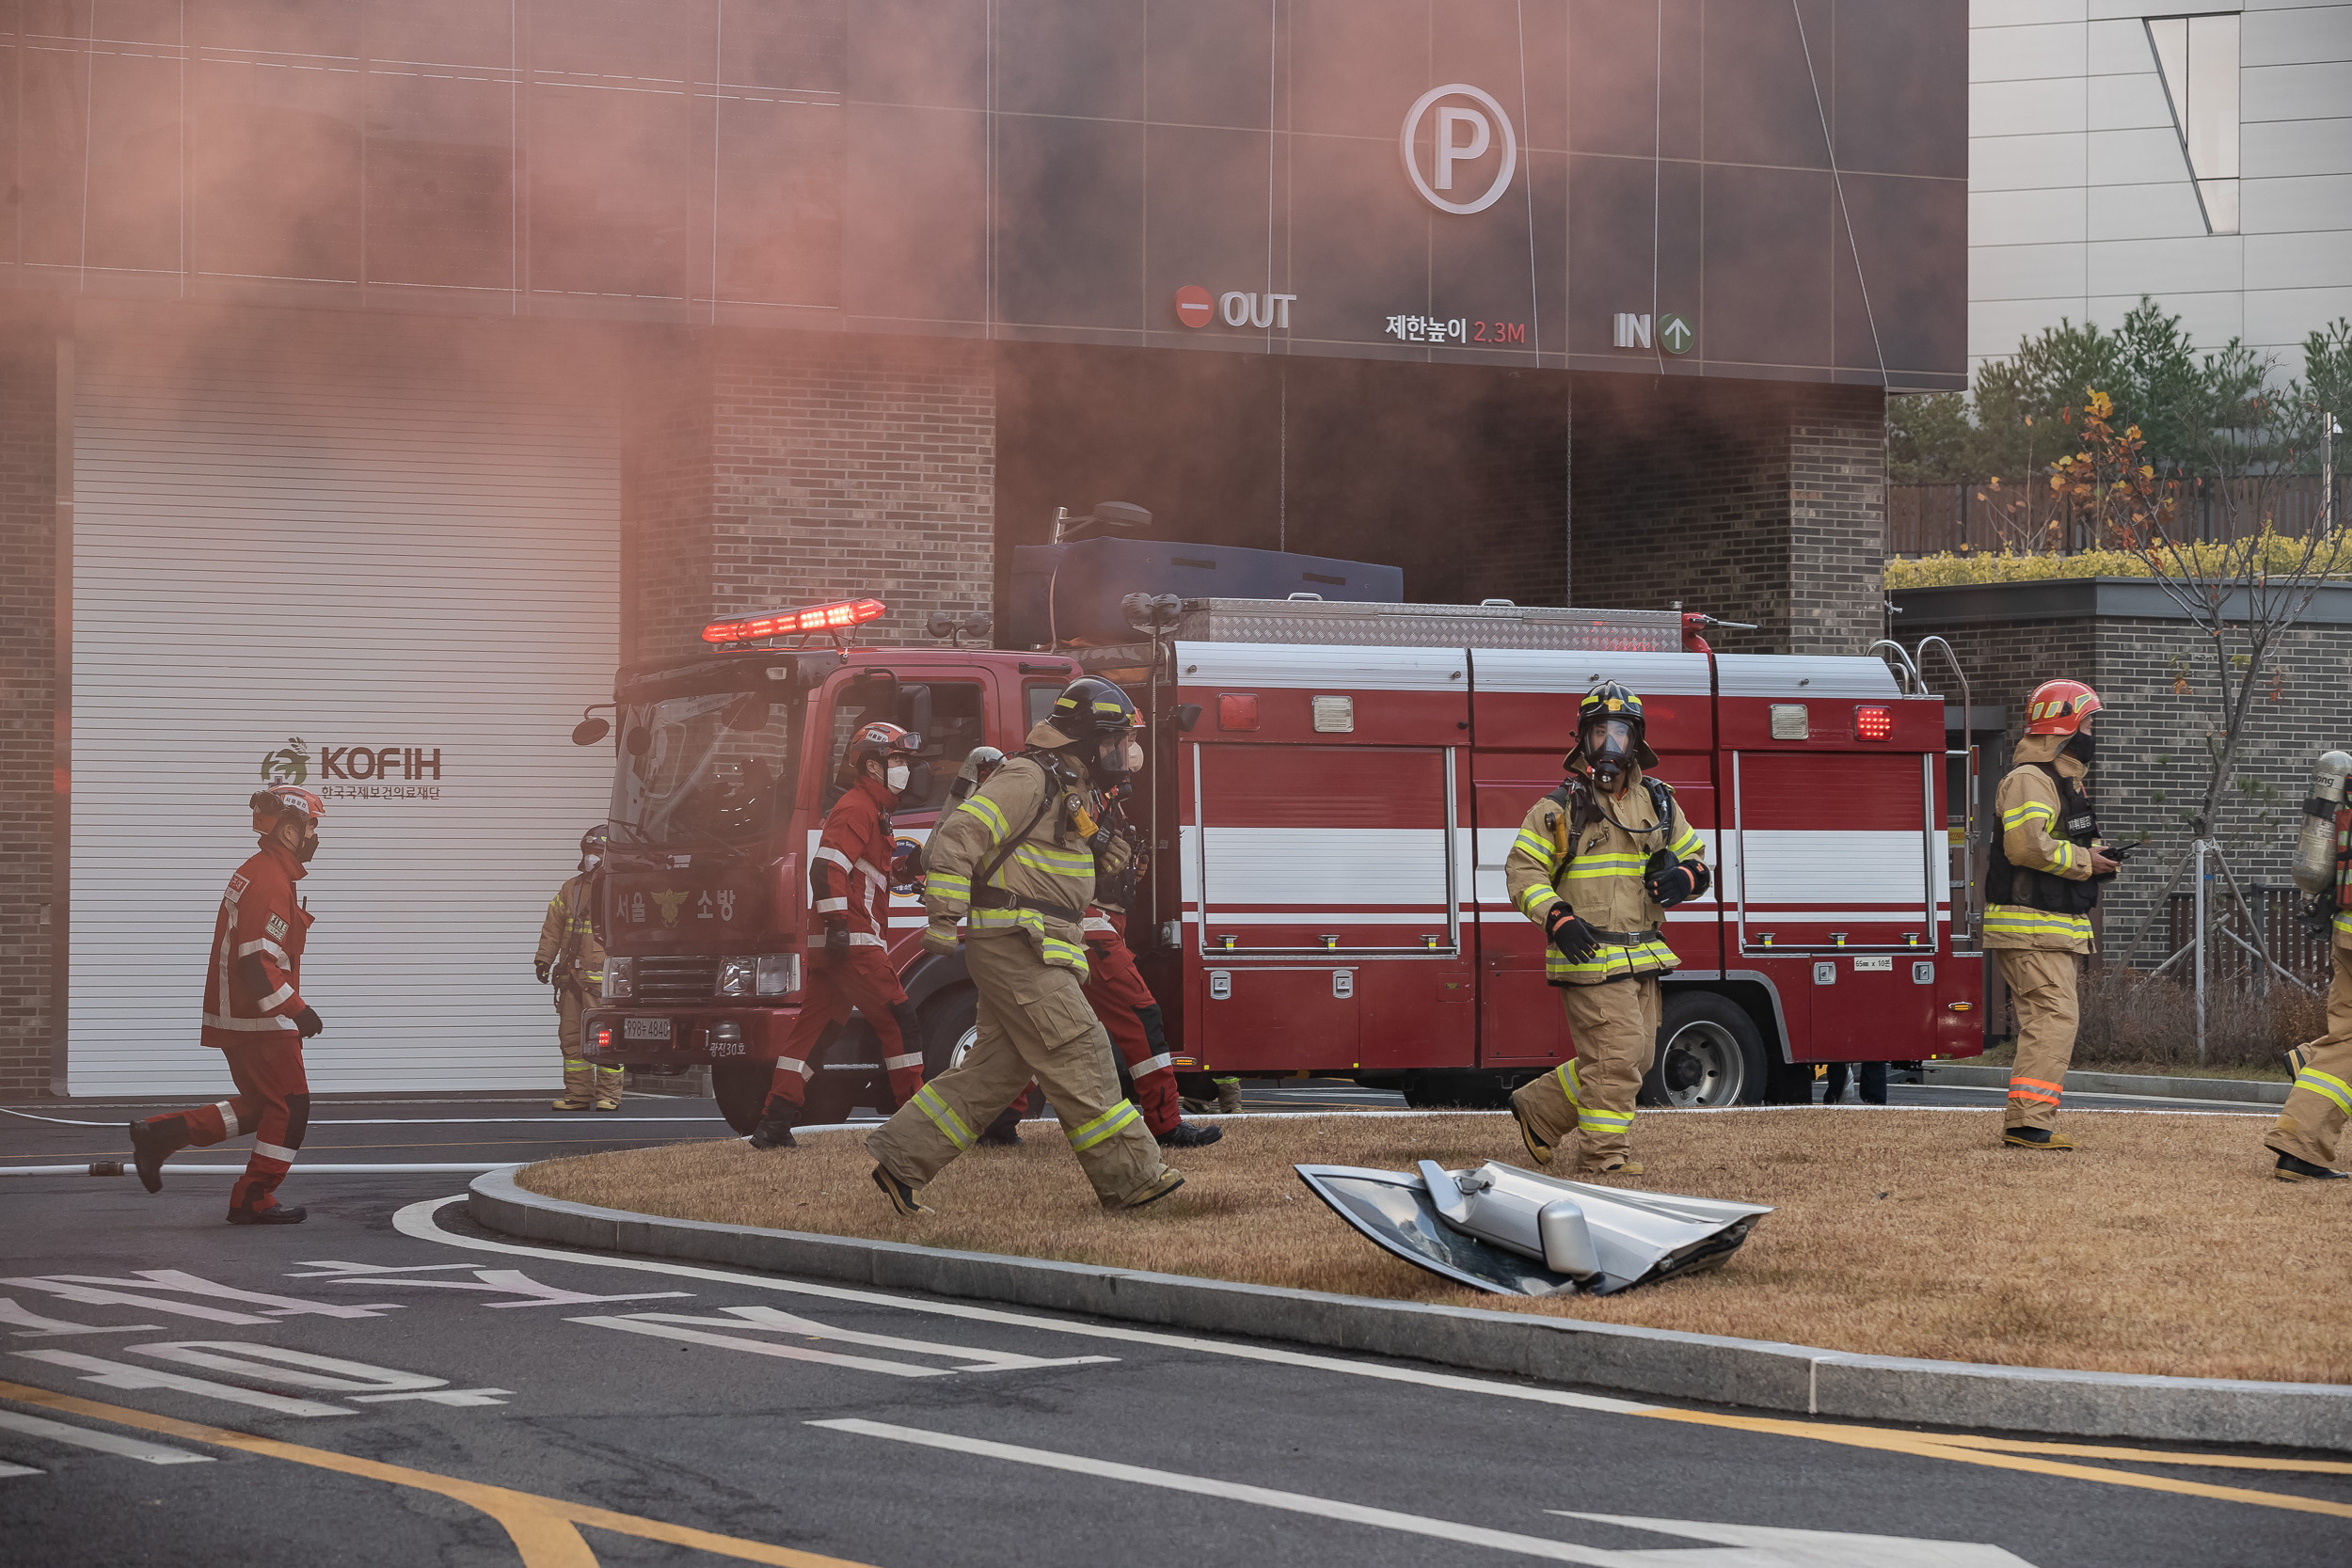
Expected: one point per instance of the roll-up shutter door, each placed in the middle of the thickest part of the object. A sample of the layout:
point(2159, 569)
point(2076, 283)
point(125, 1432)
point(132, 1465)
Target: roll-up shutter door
point(386, 567)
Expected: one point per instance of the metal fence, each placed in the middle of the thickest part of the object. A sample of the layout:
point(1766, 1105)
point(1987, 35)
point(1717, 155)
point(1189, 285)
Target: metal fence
point(1927, 519)
point(2293, 945)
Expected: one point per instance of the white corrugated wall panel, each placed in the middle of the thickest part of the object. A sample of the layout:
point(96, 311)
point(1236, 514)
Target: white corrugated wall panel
point(354, 542)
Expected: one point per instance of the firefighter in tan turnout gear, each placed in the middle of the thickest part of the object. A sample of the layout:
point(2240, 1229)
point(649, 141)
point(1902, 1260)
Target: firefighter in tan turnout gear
point(1597, 863)
point(1017, 862)
point(2043, 886)
point(2304, 1138)
point(571, 958)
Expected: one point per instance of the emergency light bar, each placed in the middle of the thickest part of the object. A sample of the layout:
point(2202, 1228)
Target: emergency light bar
point(796, 623)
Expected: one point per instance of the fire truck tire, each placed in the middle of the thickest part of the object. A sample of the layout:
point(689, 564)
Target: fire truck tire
point(1709, 1055)
point(742, 1089)
point(951, 1022)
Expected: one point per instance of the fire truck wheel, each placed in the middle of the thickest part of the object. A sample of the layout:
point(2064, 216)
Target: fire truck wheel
point(741, 1088)
point(951, 1024)
point(1709, 1055)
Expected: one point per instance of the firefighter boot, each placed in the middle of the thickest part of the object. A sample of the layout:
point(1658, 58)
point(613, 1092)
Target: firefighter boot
point(907, 1200)
point(267, 1211)
point(1149, 1193)
point(2037, 1137)
point(151, 1143)
point(1185, 1136)
point(580, 1086)
point(2292, 1169)
point(1228, 1096)
point(1537, 1149)
point(774, 1129)
point(608, 1088)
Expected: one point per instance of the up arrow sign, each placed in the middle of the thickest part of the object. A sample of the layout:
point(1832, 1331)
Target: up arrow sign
point(1675, 335)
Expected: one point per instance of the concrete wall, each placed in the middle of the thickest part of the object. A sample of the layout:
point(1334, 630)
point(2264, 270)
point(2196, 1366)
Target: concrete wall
point(2079, 197)
point(29, 670)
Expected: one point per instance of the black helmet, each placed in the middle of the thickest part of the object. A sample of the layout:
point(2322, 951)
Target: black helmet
point(1089, 707)
point(1606, 702)
point(594, 840)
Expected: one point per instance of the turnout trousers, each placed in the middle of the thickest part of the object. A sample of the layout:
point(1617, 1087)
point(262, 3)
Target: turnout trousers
point(2042, 984)
point(1034, 1022)
point(1613, 1027)
point(272, 1103)
point(1131, 1016)
point(862, 979)
point(585, 1082)
point(2316, 1107)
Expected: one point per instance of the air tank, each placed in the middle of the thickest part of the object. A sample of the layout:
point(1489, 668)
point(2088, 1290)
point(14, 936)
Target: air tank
point(2315, 840)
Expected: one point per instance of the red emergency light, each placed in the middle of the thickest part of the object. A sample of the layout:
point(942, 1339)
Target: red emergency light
point(1871, 722)
point(796, 623)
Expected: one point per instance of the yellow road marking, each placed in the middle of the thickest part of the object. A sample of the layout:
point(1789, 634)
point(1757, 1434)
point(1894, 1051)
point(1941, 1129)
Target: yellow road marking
point(2151, 1456)
point(544, 1529)
point(1929, 1446)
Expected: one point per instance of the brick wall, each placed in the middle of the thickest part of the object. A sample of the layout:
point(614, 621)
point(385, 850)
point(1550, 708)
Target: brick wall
point(1752, 501)
point(28, 391)
point(777, 468)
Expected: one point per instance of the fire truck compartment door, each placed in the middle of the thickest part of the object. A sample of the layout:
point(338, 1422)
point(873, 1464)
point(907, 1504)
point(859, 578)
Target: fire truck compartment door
point(1836, 852)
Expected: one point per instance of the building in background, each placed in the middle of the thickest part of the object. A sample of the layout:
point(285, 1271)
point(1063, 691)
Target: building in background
point(374, 376)
point(2202, 157)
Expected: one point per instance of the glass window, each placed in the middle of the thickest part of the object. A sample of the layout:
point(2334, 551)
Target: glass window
point(2197, 56)
point(951, 717)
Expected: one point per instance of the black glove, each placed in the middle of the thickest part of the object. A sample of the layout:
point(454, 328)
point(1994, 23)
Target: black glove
point(307, 1021)
point(1577, 942)
point(1668, 880)
point(540, 967)
point(836, 936)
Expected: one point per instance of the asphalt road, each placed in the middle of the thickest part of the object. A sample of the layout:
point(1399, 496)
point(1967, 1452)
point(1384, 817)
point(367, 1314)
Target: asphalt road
point(387, 1383)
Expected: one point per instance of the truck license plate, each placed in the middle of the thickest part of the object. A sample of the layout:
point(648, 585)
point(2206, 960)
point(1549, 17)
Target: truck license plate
point(646, 1029)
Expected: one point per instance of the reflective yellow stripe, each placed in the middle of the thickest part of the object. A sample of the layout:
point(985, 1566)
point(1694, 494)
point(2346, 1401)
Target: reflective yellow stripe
point(2327, 1085)
point(2017, 920)
point(1059, 863)
point(1690, 846)
point(1534, 844)
point(1569, 1084)
point(1107, 1125)
point(949, 882)
point(1533, 898)
point(986, 811)
point(1594, 867)
point(1611, 961)
point(1603, 1121)
point(1054, 950)
point(2017, 817)
point(942, 1117)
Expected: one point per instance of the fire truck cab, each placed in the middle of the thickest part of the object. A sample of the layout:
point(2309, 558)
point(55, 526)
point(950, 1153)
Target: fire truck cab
point(1331, 790)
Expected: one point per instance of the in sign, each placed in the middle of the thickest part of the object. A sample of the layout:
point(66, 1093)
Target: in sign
point(1464, 133)
point(1193, 306)
point(1632, 331)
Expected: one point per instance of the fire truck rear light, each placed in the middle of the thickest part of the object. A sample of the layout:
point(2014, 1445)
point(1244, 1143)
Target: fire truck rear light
point(1874, 724)
point(604, 1039)
point(1238, 711)
point(795, 623)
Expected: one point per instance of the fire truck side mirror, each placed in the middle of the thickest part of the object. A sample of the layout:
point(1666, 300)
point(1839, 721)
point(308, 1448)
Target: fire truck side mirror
point(589, 731)
point(1121, 514)
point(1187, 715)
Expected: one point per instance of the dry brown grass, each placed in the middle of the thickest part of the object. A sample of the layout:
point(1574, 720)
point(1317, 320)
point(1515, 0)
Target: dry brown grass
point(2162, 1246)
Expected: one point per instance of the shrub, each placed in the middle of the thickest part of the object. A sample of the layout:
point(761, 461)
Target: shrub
point(2129, 1016)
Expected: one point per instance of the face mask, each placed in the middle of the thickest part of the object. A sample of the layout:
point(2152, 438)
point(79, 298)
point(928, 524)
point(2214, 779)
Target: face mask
point(310, 847)
point(589, 862)
point(896, 776)
point(1609, 747)
point(1134, 757)
point(2079, 745)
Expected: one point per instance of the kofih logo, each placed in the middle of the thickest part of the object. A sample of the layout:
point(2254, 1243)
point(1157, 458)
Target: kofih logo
point(290, 764)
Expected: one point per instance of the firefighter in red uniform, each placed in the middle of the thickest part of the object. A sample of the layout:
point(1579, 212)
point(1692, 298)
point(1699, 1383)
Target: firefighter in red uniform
point(254, 1016)
point(849, 875)
point(1115, 988)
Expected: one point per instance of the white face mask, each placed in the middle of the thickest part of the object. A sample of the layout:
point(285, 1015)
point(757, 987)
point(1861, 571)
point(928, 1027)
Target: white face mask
point(589, 862)
point(1134, 757)
point(896, 776)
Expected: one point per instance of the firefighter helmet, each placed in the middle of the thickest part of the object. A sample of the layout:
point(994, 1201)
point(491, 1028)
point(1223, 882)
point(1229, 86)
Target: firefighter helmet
point(881, 742)
point(981, 762)
point(1089, 708)
point(595, 839)
point(2059, 708)
point(282, 800)
point(1611, 701)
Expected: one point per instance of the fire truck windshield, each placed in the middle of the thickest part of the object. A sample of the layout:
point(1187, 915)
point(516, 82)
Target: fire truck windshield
point(712, 769)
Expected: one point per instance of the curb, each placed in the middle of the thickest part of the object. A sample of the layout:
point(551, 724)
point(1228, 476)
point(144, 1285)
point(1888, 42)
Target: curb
point(1701, 1367)
point(2251, 1091)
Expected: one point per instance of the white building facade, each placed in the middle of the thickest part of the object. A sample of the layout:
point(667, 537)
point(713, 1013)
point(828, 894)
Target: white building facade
point(2200, 156)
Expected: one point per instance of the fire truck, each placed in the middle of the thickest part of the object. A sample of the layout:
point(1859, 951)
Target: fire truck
point(1330, 791)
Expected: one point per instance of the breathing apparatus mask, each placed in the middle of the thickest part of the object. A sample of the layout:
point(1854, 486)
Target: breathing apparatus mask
point(1115, 755)
point(1609, 750)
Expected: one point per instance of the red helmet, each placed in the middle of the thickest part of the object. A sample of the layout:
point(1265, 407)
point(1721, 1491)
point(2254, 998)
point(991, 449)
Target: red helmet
point(2059, 708)
point(880, 740)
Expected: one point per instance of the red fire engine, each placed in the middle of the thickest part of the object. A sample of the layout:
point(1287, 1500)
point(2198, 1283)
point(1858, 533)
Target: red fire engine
point(1331, 789)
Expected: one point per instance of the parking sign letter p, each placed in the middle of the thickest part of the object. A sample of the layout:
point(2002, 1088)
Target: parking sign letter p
point(1449, 150)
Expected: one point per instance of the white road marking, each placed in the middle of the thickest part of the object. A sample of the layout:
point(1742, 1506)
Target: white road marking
point(975, 1359)
point(94, 1287)
point(509, 1282)
point(8, 1469)
point(122, 1375)
point(1773, 1547)
point(416, 1221)
point(761, 1347)
point(1241, 1492)
point(105, 1442)
point(300, 1368)
point(32, 1326)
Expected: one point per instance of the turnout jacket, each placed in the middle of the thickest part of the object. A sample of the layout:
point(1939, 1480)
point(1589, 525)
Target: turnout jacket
point(849, 872)
point(568, 937)
point(1599, 878)
point(1042, 883)
point(2034, 839)
point(253, 986)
